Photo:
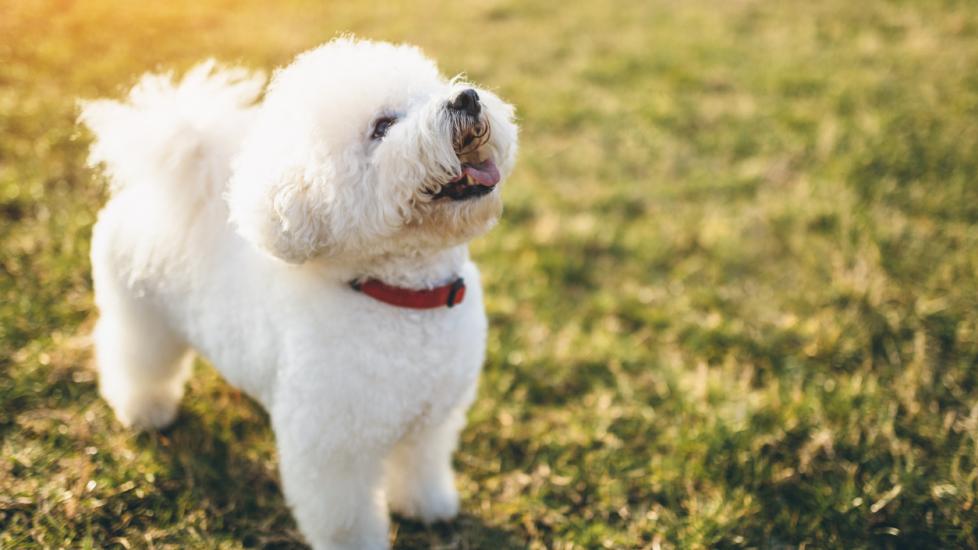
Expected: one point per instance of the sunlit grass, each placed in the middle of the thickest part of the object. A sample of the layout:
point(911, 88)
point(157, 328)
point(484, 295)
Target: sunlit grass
point(734, 297)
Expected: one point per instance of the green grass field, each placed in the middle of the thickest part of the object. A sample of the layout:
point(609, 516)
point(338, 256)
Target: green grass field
point(733, 299)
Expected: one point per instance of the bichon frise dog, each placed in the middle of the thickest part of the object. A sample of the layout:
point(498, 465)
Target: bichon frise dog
point(311, 245)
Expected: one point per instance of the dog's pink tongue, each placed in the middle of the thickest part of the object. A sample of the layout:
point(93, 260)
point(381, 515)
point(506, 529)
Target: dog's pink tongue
point(484, 173)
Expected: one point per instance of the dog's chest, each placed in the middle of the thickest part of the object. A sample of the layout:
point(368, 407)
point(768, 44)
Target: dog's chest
point(389, 371)
point(426, 361)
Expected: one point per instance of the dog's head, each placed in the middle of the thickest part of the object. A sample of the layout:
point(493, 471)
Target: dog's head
point(363, 148)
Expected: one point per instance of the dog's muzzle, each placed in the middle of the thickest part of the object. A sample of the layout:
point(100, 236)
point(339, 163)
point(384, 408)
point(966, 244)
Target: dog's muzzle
point(471, 131)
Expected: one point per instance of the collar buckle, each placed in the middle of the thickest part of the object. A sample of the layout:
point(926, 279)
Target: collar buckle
point(453, 293)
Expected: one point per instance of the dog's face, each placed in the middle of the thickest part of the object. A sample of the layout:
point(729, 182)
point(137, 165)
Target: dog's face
point(363, 149)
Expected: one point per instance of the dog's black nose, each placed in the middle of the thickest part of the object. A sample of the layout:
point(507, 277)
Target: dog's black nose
point(467, 101)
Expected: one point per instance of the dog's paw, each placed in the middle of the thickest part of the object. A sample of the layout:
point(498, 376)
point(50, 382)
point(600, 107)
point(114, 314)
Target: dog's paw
point(146, 411)
point(427, 504)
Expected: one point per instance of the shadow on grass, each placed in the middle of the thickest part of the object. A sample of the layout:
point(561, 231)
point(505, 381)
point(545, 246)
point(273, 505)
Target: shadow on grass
point(212, 475)
point(217, 484)
point(464, 533)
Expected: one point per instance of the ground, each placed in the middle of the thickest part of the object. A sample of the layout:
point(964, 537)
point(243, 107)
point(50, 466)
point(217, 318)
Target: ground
point(733, 299)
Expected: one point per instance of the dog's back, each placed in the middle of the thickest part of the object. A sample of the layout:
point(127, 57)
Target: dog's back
point(166, 150)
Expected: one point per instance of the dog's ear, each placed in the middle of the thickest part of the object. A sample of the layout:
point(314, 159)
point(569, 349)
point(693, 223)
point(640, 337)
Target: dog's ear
point(283, 211)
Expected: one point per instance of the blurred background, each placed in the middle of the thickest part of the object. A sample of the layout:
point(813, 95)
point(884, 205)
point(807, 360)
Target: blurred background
point(733, 299)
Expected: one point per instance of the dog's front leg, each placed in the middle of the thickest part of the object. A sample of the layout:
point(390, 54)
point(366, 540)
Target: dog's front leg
point(335, 492)
point(420, 480)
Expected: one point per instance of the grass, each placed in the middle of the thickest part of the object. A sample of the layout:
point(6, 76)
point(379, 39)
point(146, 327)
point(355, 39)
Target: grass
point(733, 300)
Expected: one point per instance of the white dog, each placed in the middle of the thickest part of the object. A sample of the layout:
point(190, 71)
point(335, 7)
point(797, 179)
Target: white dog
point(312, 245)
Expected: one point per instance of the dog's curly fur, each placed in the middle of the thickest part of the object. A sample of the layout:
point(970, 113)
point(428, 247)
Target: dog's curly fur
point(235, 225)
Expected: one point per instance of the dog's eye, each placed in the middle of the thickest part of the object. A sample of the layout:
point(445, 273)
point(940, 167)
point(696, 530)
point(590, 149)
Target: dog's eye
point(381, 127)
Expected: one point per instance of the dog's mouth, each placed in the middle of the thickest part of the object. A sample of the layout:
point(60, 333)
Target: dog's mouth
point(477, 179)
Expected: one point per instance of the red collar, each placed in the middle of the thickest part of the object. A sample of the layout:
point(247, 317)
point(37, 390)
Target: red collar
point(441, 296)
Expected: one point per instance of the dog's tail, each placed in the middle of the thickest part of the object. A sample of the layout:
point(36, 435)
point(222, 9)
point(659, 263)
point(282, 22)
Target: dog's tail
point(167, 132)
